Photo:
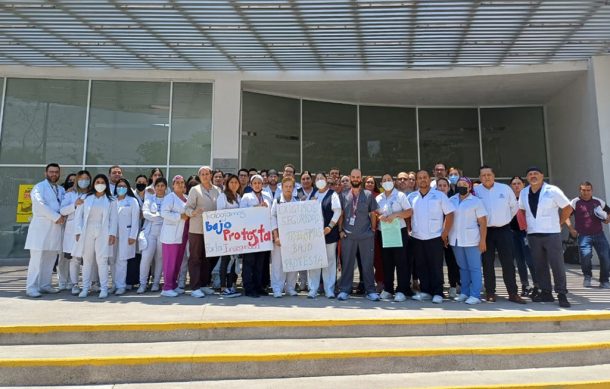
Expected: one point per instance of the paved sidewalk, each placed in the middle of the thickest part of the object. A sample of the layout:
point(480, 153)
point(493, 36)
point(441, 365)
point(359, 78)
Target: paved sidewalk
point(63, 308)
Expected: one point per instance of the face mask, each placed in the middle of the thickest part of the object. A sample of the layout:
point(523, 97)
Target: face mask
point(140, 187)
point(100, 187)
point(388, 185)
point(453, 179)
point(321, 184)
point(121, 191)
point(83, 184)
point(69, 185)
point(462, 190)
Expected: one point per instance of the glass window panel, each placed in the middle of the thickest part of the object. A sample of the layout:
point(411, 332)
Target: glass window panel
point(329, 136)
point(388, 140)
point(270, 131)
point(128, 123)
point(185, 172)
point(511, 132)
point(450, 135)
point(191, 138)
point(130, 173)
point(44, 121)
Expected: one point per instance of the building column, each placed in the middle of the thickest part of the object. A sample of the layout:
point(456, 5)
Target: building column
point(226, 118)
point(601, 73)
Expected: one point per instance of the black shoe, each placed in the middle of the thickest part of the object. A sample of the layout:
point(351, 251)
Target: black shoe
point(525, 291)
point(563, 300)
point(544, 297)
point(253, 295)
point(534, 292)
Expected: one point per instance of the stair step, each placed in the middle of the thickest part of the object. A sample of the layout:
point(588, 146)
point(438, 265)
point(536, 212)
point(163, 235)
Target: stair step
point(275, 358)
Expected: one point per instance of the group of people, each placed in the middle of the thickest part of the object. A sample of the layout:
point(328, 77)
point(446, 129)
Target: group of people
point(151, 235)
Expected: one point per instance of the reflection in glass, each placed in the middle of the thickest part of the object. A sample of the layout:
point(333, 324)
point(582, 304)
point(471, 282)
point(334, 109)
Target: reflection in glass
point(450, 135)
point(44, 121)
point(329, 136)
point(270, 131)
point(191, 138)
point(513, 139)
point(129, 123)
point(388, 140)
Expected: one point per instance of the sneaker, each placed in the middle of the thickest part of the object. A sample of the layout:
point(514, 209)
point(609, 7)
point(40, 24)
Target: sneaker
point(119, 291)
point(179, 290)
point(128, 287)
point(75, 290)
point(604, 285)
point(343, 296)
point(534, 292)
point(83, 293)
point(385, 295)
point(141, 289)
point(452, 293)
point(62, 287)
point(544, 297)
point(292, 293)
point(311, 295)
point(207, 290)
point(563, 300)
point(461, 298)
point(372, 296)
point(155, 288)
point(103, 294)
point(33, 294)
point(421, 296)
point(472, 300)
point(229, 293)
point(169, 293)
point(437, 299)
point(111, 290)
point(330, 296)
point(525, 290)
point(197, 293)
point(49, 290)
point(586, 283)
point(515, 298)
point(277, 295)
point(400, 297)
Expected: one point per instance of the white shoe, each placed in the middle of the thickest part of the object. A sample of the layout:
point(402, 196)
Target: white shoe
point(103, 294)
point(372, 296)
point(197, 293)
point(330, 296)
point(119, 291)
point(62, 287)
point(34, 294)
point(277, 295)
point(437, 299)
point(312, 295)
point(141, 289)
point(75, 290)
point(83, 293)
point(292, 293)
point(461, 298)
point(49, 290)
point(155, 288)
point(169, 293)
point(421, 296)
point(586, 283)
point(343, 296)
point(385, 295)
point(207, 290)
point(452, 293)
point(179, 290)
point(399, 297)
point(473, 300)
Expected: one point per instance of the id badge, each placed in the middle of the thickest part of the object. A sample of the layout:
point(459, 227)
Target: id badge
point(352, 220)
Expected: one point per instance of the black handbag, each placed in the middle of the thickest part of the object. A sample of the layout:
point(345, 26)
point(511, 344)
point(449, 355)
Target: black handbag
point(571, 252)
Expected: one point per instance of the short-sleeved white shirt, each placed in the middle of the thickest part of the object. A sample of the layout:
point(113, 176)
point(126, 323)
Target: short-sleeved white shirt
point(465, 229)
point(547, 216)
point(250, 200)
point(396, 202)
point(500, 203)
point(428, 213)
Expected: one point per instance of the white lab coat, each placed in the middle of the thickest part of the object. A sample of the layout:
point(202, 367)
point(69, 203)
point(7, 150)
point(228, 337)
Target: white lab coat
point(128, 227)
point(173, 224)
point(43, 233)
point(109, 226)
point(68, 209)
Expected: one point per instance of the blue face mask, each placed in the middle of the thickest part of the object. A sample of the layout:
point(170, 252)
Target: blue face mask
point(121, 191)
point(83, 184)
point(453, 179)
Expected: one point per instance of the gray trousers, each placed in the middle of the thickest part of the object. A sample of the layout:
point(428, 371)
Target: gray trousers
point(349, 248)
point(547, 251)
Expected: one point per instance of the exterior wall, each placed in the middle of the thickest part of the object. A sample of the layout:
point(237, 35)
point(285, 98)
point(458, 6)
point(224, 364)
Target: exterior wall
point(601, 74)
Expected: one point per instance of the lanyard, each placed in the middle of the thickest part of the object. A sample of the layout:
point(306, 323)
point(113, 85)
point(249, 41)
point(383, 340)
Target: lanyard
point(55, 190)
point(259, 197)
point(354, 203)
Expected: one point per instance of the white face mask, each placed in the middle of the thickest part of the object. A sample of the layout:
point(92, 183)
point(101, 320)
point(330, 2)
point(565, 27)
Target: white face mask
point(321, 184)
point(388, 185)
point(100, 187)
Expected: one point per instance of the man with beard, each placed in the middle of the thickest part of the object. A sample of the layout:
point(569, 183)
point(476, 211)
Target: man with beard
point(44, 234)
point(359, 221)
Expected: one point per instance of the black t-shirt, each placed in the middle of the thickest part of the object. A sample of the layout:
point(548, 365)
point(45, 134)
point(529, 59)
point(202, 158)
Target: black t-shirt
point(533, 198)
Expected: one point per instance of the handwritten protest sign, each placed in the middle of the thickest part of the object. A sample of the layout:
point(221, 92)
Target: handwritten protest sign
point(301, 228)
point(237, 231)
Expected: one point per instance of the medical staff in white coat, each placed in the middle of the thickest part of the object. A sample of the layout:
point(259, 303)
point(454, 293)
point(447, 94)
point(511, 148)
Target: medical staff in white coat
point(127, 234)
point(174, 236)
point(74, 198)
point(63, 263)
point(152, 253)
point(280, 280)
point(45, 232)
point(95, 229)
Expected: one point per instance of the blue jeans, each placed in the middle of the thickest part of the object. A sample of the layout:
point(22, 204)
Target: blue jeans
point(469, 261)
point(586, 243)
point(523, 257)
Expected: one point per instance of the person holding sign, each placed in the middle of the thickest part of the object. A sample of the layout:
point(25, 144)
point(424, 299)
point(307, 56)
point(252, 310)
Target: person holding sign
point(394, 208)
point(229, 199)
point(359, 219)
point(253, 262)
point(331, 211)
point(467, 239)
point(281, 281)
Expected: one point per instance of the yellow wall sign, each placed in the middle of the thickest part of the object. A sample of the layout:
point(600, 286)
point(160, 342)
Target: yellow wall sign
point(24, 204)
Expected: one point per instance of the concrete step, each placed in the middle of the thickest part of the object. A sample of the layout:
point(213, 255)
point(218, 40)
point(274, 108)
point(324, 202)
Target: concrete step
point(299, 329)
point(277, 358)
